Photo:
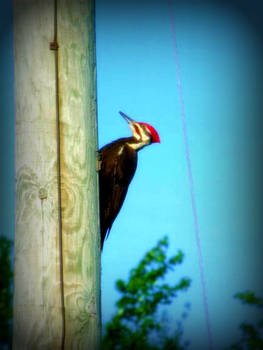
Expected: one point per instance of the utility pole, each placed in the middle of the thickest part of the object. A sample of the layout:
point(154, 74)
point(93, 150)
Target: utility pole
point(57, 244)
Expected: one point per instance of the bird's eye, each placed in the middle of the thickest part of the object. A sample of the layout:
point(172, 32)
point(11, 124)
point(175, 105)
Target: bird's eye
point(137, 130)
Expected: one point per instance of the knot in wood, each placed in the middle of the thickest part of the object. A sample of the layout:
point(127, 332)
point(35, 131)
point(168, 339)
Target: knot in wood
point(42, 193)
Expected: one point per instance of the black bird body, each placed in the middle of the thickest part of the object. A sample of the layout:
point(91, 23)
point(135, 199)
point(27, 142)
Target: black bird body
point(118, 166)
point(118, 162)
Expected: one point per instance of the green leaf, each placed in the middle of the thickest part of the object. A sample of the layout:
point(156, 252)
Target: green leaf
point(249, 298)
point(121, 286)
point(136, 318)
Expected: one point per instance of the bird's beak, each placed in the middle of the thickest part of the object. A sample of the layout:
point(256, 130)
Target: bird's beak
point(128, 119)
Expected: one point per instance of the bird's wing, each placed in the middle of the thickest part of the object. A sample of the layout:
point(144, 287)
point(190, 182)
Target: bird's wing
point(116, 173)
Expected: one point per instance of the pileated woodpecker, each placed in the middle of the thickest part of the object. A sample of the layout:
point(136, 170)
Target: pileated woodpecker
point(118, 161)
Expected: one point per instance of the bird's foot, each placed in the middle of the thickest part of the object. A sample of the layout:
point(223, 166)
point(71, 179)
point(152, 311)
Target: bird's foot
point(98, 163)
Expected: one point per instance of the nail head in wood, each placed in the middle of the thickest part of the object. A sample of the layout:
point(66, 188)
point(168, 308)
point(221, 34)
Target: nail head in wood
point(53, 45)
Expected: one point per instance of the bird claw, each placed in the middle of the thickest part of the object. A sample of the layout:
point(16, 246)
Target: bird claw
point(99, 161)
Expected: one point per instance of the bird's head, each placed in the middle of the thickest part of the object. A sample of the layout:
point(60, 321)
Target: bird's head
point(143, 133)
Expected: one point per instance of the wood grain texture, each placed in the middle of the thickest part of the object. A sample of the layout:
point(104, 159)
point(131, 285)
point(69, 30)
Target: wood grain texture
point(37, 303)
point(79, 179)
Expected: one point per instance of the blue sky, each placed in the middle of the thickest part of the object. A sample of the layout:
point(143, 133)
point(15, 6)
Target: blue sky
point(220, 58)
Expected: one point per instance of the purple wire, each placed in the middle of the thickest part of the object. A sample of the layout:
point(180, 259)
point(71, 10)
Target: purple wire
point(190, 176)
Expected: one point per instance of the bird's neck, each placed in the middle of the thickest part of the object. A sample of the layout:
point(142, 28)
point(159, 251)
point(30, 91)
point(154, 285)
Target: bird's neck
point(137, 144)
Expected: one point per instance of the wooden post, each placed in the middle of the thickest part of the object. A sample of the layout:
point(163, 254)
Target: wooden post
point(57, 248)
